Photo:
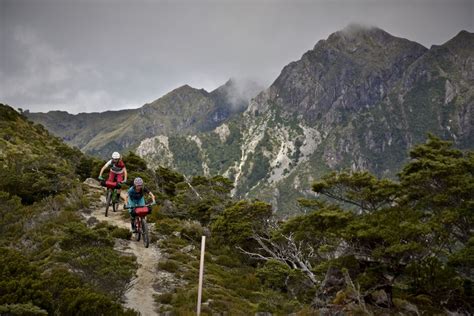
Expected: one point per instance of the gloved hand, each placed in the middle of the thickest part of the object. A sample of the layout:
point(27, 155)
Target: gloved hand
point(101, 178)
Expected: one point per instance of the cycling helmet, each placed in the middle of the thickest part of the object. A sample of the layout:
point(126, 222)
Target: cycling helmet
point(138, 181)
point(115, 155)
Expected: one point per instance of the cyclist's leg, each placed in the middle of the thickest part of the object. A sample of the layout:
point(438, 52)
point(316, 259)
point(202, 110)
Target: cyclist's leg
point(119, 180)
point(111, 176)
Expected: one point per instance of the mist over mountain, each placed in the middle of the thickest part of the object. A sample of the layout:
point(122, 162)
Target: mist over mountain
point(359, 99)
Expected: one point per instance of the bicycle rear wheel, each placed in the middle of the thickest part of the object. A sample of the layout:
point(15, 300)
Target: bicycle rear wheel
point(146, 239)
point(108, 201)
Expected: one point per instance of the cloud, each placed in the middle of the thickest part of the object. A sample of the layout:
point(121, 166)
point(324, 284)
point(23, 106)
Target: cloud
point(107, 54)
point(45, 79)
point(241, 91)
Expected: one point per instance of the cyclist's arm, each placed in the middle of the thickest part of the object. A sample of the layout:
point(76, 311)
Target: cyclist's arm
point(152, 197)
point(104, 167)
point(102, 171)
point(125, 174)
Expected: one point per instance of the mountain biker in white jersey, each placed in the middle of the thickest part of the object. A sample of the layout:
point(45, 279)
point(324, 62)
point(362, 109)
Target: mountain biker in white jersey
point(118, 171)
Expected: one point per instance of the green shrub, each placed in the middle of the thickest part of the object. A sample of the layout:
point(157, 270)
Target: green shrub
point(274, 274)
point(22, 309)
point(169, 265)
point(122, 233)
point(192, 231)
point(167, 226)
point(181, 257)
point(164, 298)
point(225, 260)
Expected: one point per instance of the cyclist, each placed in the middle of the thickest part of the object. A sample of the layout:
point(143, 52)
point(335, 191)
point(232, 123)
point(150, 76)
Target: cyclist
point(118, 172)
point(136, 197)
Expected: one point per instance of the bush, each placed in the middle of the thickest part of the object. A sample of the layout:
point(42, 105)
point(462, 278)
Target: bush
point(227, 261)
point(122, 233)
point(22, 309)
point(86, 302)
point(274, 274)
point(239, 222)
point(169, 265)
point(164, 298)
point(167, 226)
point(192, 231)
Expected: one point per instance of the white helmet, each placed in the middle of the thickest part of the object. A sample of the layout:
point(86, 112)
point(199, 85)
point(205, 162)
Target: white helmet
point(138, 181)
point(115, 155)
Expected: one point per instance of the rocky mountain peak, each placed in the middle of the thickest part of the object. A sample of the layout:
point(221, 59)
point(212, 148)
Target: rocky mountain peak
point(351, 69)
point(357, 32)
point(462, 43)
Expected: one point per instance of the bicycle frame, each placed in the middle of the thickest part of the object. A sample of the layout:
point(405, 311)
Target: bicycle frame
point(141, 226)
point(111, 199)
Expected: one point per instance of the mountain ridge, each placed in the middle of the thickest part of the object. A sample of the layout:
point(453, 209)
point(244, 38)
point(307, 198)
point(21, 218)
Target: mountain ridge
point(183, 110)
point(359, 99)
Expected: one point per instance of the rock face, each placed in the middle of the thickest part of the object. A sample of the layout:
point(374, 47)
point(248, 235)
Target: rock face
point(358, 100)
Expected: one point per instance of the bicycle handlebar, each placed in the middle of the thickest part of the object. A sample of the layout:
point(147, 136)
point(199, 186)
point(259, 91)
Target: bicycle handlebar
point(132, 207)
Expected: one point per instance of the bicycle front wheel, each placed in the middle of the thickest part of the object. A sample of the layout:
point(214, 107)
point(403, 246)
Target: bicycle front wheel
point(138, 228)
point(115, 200)
point(108, 201)
point(146, 239)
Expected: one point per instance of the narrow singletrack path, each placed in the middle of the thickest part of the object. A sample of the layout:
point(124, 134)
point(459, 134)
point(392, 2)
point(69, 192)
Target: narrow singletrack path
point(140, 294)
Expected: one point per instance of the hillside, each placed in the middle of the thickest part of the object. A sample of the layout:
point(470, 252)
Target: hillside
point(52, 263)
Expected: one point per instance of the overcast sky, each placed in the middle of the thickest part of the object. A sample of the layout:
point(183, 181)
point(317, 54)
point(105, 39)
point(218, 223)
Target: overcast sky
point(85, 56)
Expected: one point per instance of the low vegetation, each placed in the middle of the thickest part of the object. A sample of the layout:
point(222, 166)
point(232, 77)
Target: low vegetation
point(364, 246)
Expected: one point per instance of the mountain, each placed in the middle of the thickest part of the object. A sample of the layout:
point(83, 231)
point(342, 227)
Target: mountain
point(185, 110)
point(358, 100)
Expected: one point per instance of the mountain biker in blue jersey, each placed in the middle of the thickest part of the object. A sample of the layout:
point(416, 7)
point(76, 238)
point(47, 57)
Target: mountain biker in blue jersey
point(136, 197)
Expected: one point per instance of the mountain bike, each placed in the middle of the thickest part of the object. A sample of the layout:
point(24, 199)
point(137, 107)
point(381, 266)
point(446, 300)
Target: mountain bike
point(112, 197)
point(141, 225)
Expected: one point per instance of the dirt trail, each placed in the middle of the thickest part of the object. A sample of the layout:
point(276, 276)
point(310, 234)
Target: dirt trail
point(140, 294)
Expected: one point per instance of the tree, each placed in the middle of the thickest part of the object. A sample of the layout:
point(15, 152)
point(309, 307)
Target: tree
point(240, 222)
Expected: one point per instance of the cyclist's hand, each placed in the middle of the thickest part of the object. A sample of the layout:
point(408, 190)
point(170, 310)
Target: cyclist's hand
point(153, 203)
point(101, 178)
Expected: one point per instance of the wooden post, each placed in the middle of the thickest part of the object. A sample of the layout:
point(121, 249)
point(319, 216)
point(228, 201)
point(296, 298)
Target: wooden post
point(201, 274)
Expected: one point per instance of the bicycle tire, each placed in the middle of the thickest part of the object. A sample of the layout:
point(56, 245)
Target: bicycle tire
point(114, 201)
point(107, 201)
point(146, 239)
point(138, 228)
